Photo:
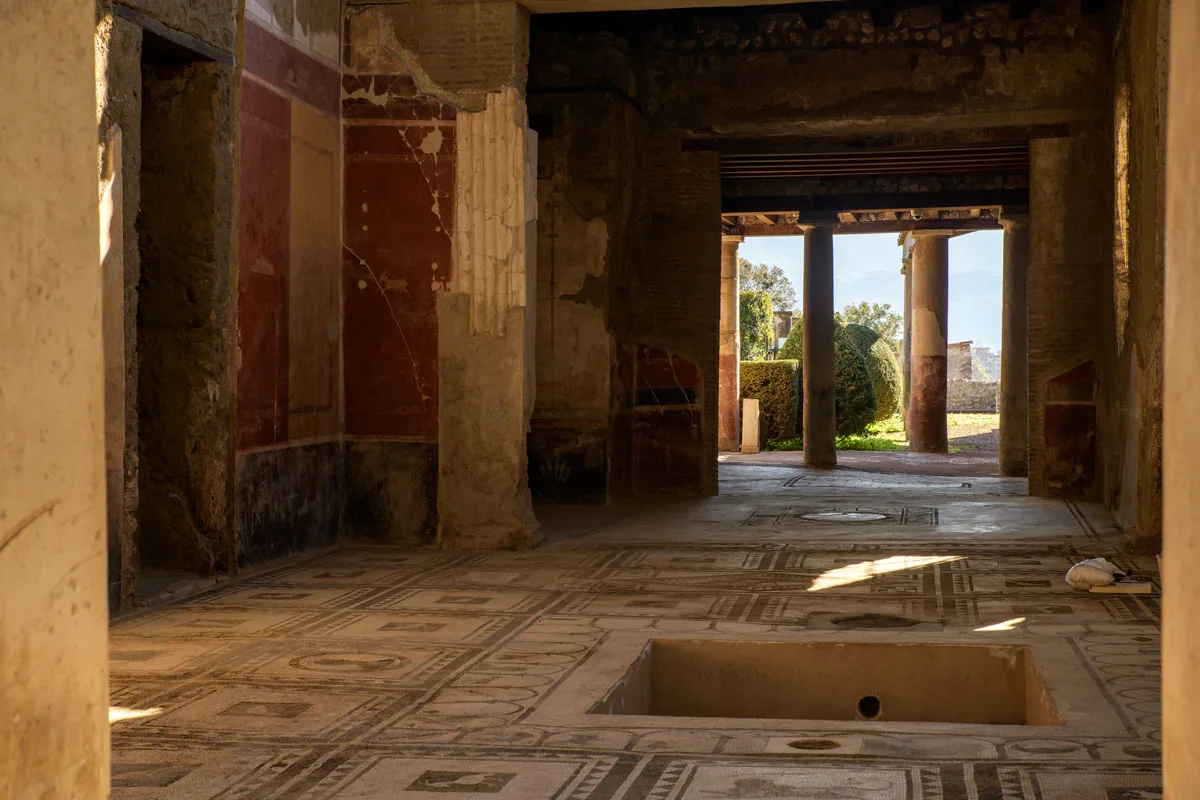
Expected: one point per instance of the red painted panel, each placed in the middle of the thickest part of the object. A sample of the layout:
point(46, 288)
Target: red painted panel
point(263, 233)
point(268, 57)
point(399, 209)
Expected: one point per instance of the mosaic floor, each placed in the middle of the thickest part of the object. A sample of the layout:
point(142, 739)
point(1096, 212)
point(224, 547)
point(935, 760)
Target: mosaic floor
point(379, 673)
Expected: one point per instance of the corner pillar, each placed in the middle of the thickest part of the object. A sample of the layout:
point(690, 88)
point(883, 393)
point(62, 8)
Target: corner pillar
point(930, 309)
point(729, 392)
point(820, 412)
point(487, 334)
point(1014, 351)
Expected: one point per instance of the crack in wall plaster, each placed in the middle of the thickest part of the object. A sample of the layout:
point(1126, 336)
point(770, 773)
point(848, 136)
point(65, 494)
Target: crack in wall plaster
point(392, 312)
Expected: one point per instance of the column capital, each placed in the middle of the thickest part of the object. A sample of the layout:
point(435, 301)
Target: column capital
point(1014, 220)
point(727, 238)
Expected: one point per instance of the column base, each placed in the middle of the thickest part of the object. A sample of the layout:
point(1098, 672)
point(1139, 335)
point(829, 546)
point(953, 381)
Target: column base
point(927, 410)
point(492, 537)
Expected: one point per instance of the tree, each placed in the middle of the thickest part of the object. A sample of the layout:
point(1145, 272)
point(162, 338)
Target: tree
point(757, 325)
point(876, 316)
point(854, 398)
point(764, 278)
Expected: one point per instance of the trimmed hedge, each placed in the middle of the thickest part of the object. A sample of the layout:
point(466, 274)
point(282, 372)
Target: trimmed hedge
point(883, 368)
point(855, 394)
point(775, 384)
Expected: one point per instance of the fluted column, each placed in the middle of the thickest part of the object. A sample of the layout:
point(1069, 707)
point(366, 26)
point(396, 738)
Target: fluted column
point(1014, 350)
point(930, 302)
point(820, 383)
point(729, 390)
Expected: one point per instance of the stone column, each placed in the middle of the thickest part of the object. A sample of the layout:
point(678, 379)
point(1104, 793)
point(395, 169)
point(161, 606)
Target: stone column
point(728, 397)
point(1181, 439)
point(820, 384)
point(486, 333)
point(930, 301)
point(906, 351)
point(1014, 351)
point(54, 740)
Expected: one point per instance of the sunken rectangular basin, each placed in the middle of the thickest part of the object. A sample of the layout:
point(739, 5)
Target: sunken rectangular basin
point(982, 684)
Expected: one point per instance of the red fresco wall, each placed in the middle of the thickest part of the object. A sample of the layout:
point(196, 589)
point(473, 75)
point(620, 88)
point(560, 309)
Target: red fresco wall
point(263, 235)
point(276, 77)
point(399, 181)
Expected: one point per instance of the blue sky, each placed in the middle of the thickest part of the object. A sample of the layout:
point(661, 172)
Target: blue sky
point(867, 267)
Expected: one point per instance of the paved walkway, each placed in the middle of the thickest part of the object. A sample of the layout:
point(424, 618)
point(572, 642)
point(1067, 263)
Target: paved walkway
point(371, 672)
point(982, 464)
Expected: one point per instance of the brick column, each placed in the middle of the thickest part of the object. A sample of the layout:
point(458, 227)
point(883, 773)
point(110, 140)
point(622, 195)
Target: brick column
point(1181, 440)
point(930, 301)
point(729, 394)
point(1014, 352)
point(906, 350)
point(820, 414)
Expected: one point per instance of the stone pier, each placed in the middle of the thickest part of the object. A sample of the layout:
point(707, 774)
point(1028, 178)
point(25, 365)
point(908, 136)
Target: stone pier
point(728, 401)
point(930, 301)
point(486, 334)
point(820, 414)
point(1181, 439)
point(1014, 352)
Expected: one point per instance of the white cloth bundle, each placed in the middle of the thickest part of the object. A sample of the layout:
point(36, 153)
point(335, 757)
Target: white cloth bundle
point(1093, 572)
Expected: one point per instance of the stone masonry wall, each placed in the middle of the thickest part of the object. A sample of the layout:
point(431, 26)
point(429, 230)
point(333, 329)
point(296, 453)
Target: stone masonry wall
point(979, 396)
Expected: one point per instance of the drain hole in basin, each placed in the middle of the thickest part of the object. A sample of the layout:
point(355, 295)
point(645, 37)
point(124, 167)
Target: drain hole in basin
point(814, 744)
point(859, 621)
point(869, 707)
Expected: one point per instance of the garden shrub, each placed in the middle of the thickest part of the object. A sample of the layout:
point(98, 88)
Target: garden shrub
point(882, 367)
point(855, 398)
point(757, 323)
point(774, 384)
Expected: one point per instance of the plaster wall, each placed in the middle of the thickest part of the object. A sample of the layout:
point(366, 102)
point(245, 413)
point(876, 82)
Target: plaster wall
point(1134, 485)
point(119, 114)
point(399, 161)
point(1070, 314)
point(736, 73)
point(289, 407)
point(186, 318)
point(585, 205)
point(54, 742)
point(213, 22)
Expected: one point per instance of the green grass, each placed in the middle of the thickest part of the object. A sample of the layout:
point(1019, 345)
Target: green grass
point(972, 420)
point(888, 436)
point(885, 436)
point(875, 443)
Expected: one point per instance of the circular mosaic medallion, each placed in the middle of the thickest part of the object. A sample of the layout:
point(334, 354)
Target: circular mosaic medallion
point(815, 744)
point(845, 516)
point(349, 662)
